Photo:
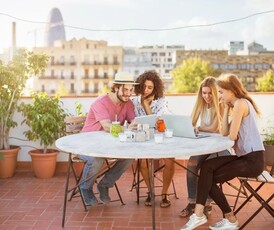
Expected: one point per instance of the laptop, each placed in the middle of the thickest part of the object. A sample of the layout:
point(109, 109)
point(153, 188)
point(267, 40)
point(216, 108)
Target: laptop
point(182, 126)
point(148, 119)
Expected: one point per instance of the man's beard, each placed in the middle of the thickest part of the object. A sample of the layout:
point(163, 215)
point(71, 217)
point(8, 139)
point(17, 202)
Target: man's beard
point(120, 98)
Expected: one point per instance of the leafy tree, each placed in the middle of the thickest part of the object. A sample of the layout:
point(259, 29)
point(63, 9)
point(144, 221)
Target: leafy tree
point(188, 76)
point(266, 83)
point(13, 79)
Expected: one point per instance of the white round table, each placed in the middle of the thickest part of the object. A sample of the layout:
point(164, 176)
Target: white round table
point(102, 144)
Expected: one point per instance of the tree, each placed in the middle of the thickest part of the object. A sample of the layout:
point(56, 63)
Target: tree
point(13, 79)
point(266, 83)
point(188, 76)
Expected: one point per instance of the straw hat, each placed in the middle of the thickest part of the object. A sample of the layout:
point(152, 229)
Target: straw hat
point(124, 78)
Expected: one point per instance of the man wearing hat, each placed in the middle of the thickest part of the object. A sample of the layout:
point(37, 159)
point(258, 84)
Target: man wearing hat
point(103, 111)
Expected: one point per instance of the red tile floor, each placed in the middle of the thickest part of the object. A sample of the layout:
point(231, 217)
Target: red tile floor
point(30, 203)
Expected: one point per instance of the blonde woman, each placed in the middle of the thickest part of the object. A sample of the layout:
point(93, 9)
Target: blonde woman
point(207, 109)
point(248, 161)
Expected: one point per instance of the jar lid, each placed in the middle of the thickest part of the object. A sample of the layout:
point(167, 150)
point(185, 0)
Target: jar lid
point(116, 122)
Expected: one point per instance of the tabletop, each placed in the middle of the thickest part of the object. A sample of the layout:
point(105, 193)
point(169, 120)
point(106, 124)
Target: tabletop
point(102, 144)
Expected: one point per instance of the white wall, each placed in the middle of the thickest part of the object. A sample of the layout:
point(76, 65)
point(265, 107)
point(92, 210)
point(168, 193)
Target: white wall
point(178, 104)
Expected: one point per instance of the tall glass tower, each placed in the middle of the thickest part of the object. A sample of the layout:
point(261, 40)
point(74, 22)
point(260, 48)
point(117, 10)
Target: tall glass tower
point(55, 28)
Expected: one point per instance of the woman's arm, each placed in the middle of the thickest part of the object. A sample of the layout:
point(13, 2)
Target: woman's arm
point(146, 104)
point(239, 112)
point(225, 120)
point(212, 128)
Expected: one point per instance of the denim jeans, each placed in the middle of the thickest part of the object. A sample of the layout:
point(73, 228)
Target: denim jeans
point(94, 164)
point(194, 165)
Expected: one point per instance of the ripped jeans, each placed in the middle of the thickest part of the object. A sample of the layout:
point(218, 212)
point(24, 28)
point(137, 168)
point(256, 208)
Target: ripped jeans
point(94, 164)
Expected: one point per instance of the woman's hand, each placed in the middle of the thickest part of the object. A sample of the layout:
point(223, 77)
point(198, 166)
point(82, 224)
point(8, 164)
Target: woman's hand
point(147, 100)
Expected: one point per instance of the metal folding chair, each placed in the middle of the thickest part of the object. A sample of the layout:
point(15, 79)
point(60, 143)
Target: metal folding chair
point(76, 165)
point(248, 183)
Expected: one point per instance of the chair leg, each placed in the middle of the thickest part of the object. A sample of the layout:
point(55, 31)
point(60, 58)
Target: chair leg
point(134, 171)
point(116, 187)
point(264, 203)
point(66, 191)
point(77, 180)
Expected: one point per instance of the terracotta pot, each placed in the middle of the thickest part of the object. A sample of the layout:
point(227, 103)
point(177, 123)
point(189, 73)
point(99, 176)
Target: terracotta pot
point(44, 165)
point(269, 154)
point(8, 164)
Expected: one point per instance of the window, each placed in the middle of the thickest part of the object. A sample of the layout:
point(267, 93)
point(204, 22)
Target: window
point(96, 73)
point(62, 60)
point(72, 74)
point(72, 87)
point(52, 60)
point(72, 60)
point(86, 73)
point(105, 75)
point(106, 60)
point(115, 60)
point(43, 88)
point(52, 73)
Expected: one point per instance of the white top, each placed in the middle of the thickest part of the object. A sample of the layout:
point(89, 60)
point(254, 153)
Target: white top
point(249, 139)
point(157, 106)
point(102, 144)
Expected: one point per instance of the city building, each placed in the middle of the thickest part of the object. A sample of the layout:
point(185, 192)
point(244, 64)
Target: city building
point(255, 48)
point(235, 46)
point(79, 67)
point(55, 29)
point(135, 62)
point(248, 67)
point(163, 59)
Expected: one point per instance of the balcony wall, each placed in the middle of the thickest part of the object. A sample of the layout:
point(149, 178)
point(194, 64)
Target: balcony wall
point(178, 104)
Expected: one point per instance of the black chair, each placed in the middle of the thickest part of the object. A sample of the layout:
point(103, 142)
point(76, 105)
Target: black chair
point(76, 165)
point(265, 178)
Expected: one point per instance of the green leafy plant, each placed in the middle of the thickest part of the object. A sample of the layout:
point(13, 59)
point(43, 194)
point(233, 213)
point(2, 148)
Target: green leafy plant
point(13, 79)
point(268, 134)
point(46, 119)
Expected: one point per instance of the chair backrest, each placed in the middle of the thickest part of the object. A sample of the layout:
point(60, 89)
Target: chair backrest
point(74, 124)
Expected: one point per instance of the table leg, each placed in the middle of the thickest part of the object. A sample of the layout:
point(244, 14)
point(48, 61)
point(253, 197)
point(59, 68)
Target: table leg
point(152, 193)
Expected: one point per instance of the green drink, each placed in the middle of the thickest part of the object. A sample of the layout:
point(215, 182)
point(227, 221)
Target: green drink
point(115, 128)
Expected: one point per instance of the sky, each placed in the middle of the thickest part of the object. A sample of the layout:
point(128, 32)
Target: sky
point(143, 14)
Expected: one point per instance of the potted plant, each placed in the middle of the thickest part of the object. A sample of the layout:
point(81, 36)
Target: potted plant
point(46, 120)
point(13, 79)
point(269, 144)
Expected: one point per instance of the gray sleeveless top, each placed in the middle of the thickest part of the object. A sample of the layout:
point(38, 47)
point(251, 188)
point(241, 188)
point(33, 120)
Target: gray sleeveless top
point(249, 139)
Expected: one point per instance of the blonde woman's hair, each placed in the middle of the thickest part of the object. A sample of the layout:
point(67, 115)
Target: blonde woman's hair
point(200, 106)
point(231, 82)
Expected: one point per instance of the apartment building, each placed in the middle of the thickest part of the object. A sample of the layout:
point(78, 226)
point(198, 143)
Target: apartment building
point(135, 62)
point(247, 67)
point(163, 59)
point(79, 67)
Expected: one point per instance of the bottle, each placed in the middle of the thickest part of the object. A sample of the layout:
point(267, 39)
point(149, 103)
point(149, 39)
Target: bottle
point(161, 127)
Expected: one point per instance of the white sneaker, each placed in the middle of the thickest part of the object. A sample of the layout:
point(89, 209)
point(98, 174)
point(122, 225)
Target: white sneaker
point(225, 224)
point(194, 221)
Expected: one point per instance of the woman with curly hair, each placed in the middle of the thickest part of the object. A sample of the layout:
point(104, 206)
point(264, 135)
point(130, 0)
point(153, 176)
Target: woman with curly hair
point(150, 100)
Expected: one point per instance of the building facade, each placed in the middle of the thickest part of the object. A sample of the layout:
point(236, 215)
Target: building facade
point(248, 67)
point(79, 67)
point(135, 62)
